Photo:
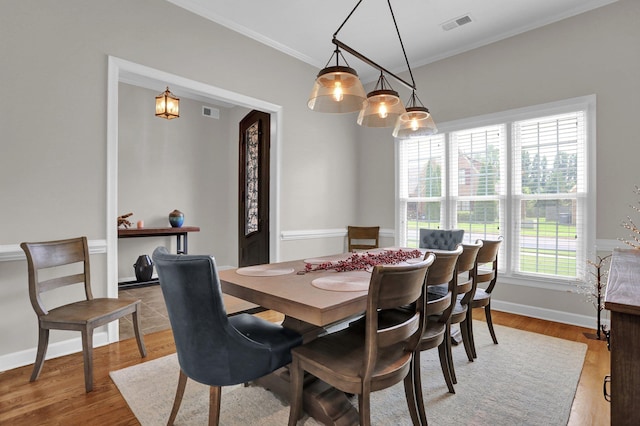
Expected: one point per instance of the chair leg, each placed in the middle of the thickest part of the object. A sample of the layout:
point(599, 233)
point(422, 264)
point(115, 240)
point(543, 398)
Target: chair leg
point(466, 341)
point(364, 405)
point(487, 314)
point(417, 388)
point(214, 405)
point(444, 364)
point(410, 392)
point(139, 338)
point(296, 378)
point(87, 352)
point(43, 342)
point(182, 384)
point(448, 346)
point(470, 326)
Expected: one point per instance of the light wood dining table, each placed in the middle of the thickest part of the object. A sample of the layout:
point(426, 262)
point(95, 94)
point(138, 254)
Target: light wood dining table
point(311, 302)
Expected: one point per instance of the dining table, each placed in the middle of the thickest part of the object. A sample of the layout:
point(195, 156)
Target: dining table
point(315, 295)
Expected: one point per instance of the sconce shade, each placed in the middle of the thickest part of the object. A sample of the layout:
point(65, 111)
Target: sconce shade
point(382, 109)
point(167, 105)
point(416, 122)
point(337, 90)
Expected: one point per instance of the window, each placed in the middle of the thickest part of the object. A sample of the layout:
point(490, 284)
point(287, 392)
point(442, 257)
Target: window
point(521, 174)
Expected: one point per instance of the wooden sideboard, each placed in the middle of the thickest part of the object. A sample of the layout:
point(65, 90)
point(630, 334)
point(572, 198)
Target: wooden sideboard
point(622, 298)
point(181, 234)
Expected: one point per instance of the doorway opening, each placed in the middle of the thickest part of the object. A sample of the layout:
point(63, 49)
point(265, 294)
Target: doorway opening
point(120, 70)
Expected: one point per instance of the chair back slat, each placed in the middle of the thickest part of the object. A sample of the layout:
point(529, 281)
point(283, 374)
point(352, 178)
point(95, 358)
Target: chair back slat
point(487, 263)
point(489, 251)
point(53, 283)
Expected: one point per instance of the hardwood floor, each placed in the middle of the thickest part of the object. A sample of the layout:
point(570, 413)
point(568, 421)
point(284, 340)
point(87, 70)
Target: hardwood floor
point(58, 397)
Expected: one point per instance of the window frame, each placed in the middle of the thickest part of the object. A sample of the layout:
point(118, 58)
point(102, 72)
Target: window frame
point(507, 118)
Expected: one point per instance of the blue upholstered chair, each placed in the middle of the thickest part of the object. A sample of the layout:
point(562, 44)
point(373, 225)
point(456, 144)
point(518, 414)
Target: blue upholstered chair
point(212, 348)
point(440, 239)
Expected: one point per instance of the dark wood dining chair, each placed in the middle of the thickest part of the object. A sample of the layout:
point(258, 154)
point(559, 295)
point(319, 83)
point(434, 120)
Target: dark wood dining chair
point(213, 348)
point(364, 359)
point(363, 237)
point(487, 274)
point(466, 286)
point(56, 258)
point(442, 285)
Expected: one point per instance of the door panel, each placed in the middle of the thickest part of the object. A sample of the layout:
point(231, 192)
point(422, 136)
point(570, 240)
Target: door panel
point(253, 202)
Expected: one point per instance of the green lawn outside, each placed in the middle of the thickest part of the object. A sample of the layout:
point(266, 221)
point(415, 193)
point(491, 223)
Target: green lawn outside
point(552, 262)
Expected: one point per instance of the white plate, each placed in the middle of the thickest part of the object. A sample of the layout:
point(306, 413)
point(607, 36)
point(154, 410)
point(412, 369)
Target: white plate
point(344, 281)
point(263, 271)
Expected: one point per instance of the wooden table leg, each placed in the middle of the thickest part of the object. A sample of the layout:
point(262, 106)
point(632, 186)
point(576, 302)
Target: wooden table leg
point(324, 403)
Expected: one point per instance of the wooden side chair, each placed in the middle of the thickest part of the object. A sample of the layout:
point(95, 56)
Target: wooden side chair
point(84, 315)
point(364, 359)
point(487, 273)
point(466, 286)
point(363, 237)
point(442, 288)
point(213, 348)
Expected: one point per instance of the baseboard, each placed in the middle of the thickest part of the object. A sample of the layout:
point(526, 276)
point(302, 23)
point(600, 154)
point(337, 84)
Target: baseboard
point(26, 357)
point(546, 314)
point(55, 350)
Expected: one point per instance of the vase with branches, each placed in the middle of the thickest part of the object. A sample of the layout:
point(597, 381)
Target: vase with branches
point(594, 289)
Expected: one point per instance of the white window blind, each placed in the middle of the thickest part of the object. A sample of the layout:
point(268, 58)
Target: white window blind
point(476, 201)
point(421, 186)
point(520, 174)
point(549, 190)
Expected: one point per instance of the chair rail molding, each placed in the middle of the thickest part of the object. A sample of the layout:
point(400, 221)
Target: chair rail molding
point(309, 234)
point(11, 252)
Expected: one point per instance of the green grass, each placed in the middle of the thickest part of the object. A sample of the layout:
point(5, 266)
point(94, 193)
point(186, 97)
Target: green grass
point(551, 262)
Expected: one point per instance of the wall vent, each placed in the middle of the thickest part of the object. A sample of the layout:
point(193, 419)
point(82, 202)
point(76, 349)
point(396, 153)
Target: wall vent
point(210, 112)
point(457, 22)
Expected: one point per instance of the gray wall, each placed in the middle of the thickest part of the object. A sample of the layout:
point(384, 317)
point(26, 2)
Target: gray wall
point(189, 164)
point(54, 121)
point(53, 170)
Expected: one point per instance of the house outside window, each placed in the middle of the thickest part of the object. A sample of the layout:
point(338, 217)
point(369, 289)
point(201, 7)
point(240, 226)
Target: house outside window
point(525, 175)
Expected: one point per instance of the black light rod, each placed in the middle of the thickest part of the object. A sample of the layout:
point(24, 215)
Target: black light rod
point(370, 62)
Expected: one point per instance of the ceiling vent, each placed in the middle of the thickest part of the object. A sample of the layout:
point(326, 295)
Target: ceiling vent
point(455, 23)
point(210, 112)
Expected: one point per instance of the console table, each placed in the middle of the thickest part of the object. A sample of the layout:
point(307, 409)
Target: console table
point(622, 298)
point(181, 244)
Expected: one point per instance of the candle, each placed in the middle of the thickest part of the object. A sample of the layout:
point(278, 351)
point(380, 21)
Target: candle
point(140, 224)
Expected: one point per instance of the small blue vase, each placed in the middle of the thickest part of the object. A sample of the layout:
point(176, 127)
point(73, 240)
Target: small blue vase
point(176, 218)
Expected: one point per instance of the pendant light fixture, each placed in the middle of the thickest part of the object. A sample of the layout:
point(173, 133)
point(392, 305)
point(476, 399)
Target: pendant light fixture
point(383, 106)
point(167, 105)
point(337, 89)
point(415, 122)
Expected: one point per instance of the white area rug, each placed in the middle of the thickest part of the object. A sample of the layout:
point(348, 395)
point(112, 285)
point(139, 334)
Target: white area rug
point(527, 379)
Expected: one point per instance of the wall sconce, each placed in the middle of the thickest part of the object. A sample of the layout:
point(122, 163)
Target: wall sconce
point(167, 105)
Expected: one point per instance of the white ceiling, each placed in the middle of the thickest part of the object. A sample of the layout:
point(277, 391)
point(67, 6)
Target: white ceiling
point(304, 29)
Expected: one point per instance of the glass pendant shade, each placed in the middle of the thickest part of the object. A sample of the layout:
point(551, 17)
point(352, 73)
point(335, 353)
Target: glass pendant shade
point(337, 90)
point(167, 105)
point(382, 109)
point(416, 122)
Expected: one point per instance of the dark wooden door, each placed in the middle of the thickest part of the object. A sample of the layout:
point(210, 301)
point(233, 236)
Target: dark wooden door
point(253, 202)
